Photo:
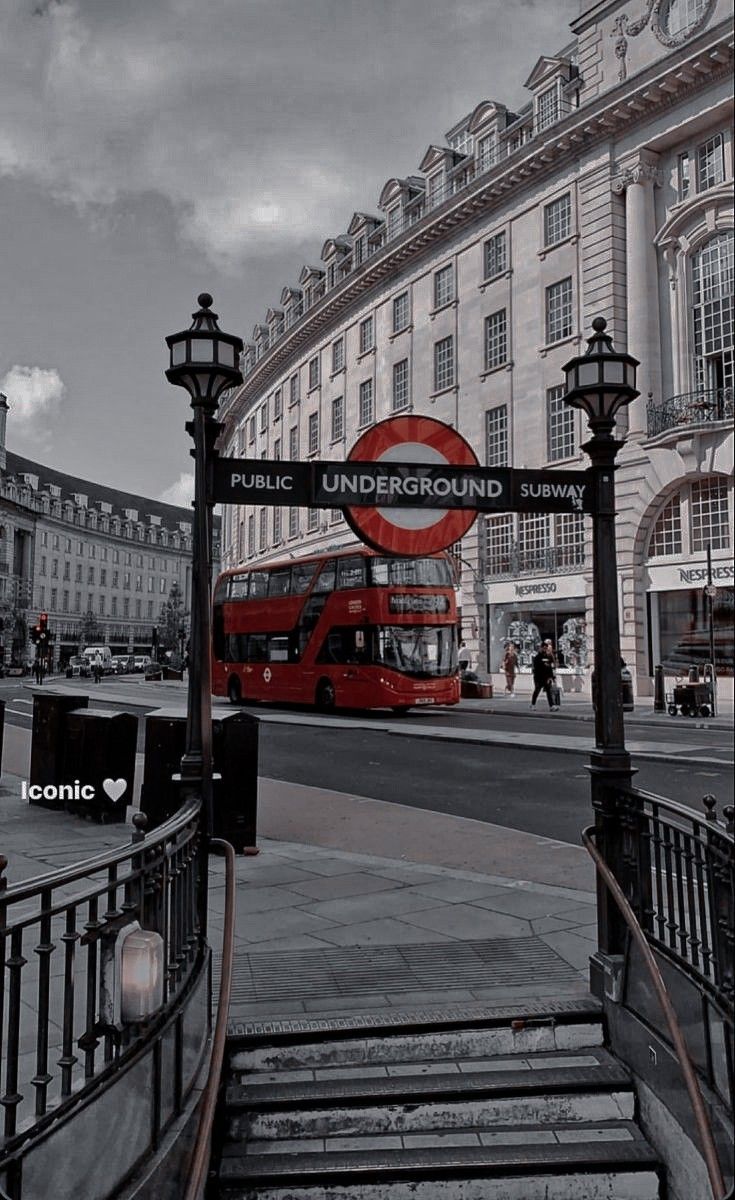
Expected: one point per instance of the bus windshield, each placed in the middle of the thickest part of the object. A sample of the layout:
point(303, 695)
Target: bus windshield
point(418, 650)
point(411, 572)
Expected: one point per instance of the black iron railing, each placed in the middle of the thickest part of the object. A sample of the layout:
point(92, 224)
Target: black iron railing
point(690, 408)
point(513, 559)
point(58, 1037)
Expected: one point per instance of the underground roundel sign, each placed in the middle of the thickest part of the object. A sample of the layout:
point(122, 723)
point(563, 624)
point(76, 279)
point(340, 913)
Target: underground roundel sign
point(412, 441)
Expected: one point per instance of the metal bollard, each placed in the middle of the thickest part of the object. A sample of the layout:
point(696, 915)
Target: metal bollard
point(659, 689)
point(50, 710)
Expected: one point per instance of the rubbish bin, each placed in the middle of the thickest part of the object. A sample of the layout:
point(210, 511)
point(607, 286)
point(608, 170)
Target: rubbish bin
point(626, 683)
point(50, 710)
point(99, 758)
point(235, 758)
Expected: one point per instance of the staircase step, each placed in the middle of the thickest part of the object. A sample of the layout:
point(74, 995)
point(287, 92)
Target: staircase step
point(602, 1073)
point(454, 1044)
point(609, 1170)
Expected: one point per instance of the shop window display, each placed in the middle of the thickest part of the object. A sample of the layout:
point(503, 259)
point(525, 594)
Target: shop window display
point(561, 620)
point(683, 626)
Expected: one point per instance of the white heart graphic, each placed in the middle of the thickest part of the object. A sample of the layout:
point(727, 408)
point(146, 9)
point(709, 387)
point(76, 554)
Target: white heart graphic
point(114, 788)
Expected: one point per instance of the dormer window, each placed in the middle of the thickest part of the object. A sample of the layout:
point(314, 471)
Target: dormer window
point(359, 250)
point(330, 276)
point(435, 189)
point(487, 152)
point(547, 108)
point(462, 142)
point(393, 218)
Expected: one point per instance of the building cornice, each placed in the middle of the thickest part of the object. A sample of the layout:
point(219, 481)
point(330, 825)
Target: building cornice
point(685, 72)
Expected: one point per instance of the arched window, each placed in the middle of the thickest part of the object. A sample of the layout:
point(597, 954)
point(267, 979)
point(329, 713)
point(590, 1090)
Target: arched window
point(712, 313)
point(695, 517)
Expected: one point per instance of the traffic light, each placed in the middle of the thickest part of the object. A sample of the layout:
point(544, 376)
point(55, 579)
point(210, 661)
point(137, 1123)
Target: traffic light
point(35, 634)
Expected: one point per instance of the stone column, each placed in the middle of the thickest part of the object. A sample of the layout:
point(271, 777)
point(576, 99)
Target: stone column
point(637, 180)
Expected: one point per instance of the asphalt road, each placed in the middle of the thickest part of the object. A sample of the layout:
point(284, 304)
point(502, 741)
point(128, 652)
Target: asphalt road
point(539, 791)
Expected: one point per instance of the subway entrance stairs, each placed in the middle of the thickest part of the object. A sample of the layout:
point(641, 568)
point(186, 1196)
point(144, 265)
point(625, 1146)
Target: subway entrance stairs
point(485, 1102)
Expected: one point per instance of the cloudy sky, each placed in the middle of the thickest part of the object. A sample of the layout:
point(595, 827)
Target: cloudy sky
point(152, 149)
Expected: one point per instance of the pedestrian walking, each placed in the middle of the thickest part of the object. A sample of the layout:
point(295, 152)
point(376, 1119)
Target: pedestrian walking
point(464, 658)
point(97, 667)
point(510, 667)
point(38, 670)
point(544, 667)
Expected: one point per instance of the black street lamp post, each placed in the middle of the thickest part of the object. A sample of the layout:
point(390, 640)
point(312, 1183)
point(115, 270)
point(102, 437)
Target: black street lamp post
point(600, 382)
point(205, 362)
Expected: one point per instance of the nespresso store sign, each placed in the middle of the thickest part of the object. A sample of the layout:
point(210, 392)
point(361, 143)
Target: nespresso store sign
point(675, 576)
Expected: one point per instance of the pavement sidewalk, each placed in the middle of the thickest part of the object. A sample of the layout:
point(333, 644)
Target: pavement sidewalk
point(358, 905)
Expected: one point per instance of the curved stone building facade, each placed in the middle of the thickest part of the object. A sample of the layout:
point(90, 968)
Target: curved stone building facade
point(609, 192)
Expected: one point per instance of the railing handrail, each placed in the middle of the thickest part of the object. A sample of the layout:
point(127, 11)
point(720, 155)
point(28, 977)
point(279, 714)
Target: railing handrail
point(682, 810)
point(29, 888)
point(202, 1147)
point(682, 1053)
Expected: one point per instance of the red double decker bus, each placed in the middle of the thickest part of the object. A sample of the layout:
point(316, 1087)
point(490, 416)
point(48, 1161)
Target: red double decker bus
point(350, 630)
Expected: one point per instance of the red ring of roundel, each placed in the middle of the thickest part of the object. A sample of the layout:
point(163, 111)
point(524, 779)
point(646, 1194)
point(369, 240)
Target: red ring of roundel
point(371, 526)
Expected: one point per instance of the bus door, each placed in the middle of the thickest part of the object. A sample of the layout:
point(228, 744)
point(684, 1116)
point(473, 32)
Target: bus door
point(306, 639)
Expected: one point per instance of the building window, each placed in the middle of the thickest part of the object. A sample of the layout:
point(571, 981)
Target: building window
point(264, 417)
point(682, 177)
point(496, 340)
point(557, 220)
point(400, 384)
point(293, 443)
point(293, 522)
point(365, 413)
point(277, 449)
point(560, 425)
point(126, 607)
point(277, 404)
point(444, 364)
point(496, 257)
point(486, 152)
point(533, 541)
point(103, 577)
point(568, 540)
point(314, 372)
point(251, 535)
point(710, 163)
point(400, 312)
point(338, 419)
point(65, 601)
point(496, 436)
point(547, 108)
point(435, 189)
point(262, 528)
point(710, 515)
point(366, 335)
point(666, 535)
point(313, 433)
point(277, 526)
point(443, 286)
point(149, 610)
point(559, 310)
point(312, 520)
point(338, 355)
point(712, 312)
point(293, 390)
point(498, 544)
point(113, 606)
point(77, 602)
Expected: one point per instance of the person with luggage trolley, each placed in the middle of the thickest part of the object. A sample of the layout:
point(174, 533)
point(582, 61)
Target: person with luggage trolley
point(544, 676)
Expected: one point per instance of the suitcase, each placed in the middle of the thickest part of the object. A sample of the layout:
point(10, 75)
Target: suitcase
point(555, 695)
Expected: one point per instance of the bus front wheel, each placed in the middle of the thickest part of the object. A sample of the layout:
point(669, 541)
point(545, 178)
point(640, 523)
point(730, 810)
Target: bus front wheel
point(326, 697)
point(234, 691)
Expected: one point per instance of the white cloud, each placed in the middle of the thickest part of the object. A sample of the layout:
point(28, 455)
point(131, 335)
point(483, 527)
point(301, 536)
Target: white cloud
point(34, 395)
point(181, 492)
point(260, 124)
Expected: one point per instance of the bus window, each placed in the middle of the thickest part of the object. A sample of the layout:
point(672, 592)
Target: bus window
point(301, 576)
point(326, 577)
point(238, 587)
point(411, 572)
point(279, 582)
point(344, 644)
point(221, 591)
point(351, 572)
point(257, 650)
point(258, 584)
point(278, 648)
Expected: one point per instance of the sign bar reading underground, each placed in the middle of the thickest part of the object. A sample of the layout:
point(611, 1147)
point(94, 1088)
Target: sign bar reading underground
point(411, 485)
point(335, 485)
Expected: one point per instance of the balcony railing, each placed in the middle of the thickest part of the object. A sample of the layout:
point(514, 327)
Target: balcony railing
point(516, 560)
point(690, 408)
